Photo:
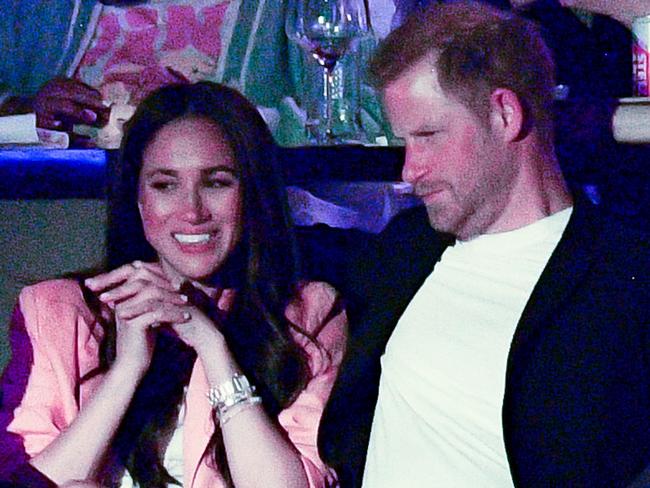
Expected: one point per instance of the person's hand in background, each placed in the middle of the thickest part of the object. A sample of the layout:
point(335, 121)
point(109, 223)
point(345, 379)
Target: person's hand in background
point(63, 102)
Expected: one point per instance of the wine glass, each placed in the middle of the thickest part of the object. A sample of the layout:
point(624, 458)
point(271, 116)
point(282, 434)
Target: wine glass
point(326, 30)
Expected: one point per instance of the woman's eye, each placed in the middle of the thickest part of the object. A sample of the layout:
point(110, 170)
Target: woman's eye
point(162, 185)
point(218, 183)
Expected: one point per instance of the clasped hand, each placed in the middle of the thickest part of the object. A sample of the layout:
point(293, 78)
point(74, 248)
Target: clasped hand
point(143, 299)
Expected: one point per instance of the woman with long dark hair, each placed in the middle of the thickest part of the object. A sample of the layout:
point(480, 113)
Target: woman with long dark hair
point(202, 360)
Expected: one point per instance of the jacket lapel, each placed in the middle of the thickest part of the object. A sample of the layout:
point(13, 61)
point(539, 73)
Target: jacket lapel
point(89, 337)
point(572, 258)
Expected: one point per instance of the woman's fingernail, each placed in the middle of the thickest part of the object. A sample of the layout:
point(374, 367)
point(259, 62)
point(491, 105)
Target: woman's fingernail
point(137, 264)
point(184, 298)
point(187, 315)
point(88, 116)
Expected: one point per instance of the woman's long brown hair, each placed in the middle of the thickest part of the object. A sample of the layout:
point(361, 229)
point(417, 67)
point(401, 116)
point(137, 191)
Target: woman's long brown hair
point(262, 269)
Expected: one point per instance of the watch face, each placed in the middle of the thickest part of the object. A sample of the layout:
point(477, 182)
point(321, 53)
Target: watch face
point(230, 392)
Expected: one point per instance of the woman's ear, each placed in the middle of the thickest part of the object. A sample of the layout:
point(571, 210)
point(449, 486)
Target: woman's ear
point(507, 115)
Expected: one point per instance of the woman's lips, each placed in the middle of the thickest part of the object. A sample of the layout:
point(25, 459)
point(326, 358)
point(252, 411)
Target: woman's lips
point(191, 238)
point(195, 243)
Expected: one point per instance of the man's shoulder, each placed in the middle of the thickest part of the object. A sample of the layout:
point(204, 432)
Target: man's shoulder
point(612, 231)
point(615, 247)
point(408, 237)
point(411, 223)
point(405, 248)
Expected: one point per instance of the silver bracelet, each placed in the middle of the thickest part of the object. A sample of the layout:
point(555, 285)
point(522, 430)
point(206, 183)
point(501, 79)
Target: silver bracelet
point(230, 412)
point(230, 393)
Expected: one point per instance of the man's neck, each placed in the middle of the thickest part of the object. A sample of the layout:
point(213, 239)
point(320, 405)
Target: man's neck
point(539, 191)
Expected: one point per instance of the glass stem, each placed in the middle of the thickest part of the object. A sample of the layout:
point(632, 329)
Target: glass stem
point(329, 83)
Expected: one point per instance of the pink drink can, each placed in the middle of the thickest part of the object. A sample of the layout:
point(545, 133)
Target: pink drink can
point(641, 55)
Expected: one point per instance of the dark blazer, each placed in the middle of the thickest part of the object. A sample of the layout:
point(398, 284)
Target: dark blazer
point(576, 409)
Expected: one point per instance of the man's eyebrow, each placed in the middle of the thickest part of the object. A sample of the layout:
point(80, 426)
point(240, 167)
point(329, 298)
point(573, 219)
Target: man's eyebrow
point(428, 128)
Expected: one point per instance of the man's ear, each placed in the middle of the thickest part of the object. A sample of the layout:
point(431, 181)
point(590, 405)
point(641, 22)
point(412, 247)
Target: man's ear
point(507, 114)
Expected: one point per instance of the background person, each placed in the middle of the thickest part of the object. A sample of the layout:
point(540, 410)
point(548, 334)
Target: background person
point(86, 55)
point(625, 11)
point(67, 60)
point(591, 43)
point(499, 336)
point(108, 380)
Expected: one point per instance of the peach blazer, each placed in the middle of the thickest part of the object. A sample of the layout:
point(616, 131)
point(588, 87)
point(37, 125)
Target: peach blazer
point(55, 340)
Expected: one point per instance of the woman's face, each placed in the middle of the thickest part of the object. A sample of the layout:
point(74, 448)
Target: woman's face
point(189, 198)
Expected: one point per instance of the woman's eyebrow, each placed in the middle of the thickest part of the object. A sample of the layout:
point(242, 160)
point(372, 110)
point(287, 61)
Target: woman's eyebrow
point(161, 171)
point(221, 169)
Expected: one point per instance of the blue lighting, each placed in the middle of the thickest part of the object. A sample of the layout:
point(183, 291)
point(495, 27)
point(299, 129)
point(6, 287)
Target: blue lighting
point(61, 157)
point(53, 173)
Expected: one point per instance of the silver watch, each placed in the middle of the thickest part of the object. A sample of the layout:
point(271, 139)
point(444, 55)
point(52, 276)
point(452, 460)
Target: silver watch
point(231, 392)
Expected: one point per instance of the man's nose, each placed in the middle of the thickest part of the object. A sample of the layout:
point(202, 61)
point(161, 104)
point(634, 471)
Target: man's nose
point(413, 167)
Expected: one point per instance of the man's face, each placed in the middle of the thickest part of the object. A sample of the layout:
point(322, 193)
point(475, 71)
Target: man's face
point(457, 164)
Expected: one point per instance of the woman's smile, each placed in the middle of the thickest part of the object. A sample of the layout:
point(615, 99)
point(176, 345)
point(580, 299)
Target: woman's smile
point(196, 243)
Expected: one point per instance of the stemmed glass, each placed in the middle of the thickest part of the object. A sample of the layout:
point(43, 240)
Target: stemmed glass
point(326, 30)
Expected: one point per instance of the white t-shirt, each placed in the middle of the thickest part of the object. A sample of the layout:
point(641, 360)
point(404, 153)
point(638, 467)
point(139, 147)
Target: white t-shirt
point(438, 417)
